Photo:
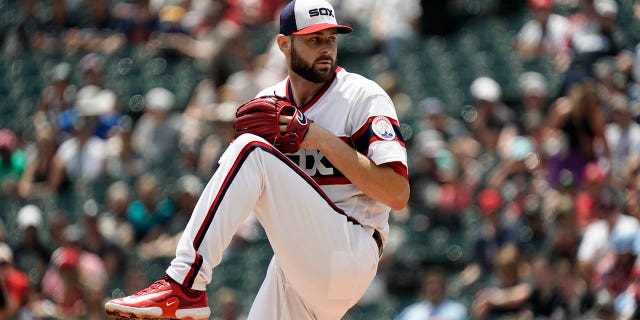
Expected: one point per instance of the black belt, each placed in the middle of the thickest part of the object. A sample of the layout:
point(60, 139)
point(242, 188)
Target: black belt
point(378, 238)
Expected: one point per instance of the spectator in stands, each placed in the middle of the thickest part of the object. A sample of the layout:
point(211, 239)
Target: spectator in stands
point(170, 19)
point(39, 180)
point(96, 32)
point(200, 112)
point(215, 130)
point(14, 285)
point(564, 235)
point(186, 194)
point(431, 192)
point(615, 270)
point(149, 210)
point(535, 96)
point(228, 305)
point(258, 13)
point(155, 135)
point(136, 21)
point(29, 31)
point(210, 38)
point(576, 123)
point(392, 84)
point(31, 253)
point(114, 223)
point(535, 231)
point(585, 199)
point(545, 296)
point(597, 240)
point(63, 286)
point(57, 97)
point(489, 236)
point(435, 303)
point(576, 21)
point(58, 222)
point(89, 277)
point(493, 233)
point(509, 296)
point(466, 152)
point(61, 18)
point(93, 99)
point(82, 157)
point(517, 163)
point(542, 36)
point(626, 304)
point(122, 160)
point(92, 70)
point(12, 162)
point(135, 277)
point(594, 40)
point(434, 116)
point(188, 189)
point(116, 263)
point(104, 107)
point(623, 135)
point(394, 25)
point(492, 115)
point(204, 97)
point(93, 239)
point(611, 78)
point(603, 307)
point(3, 231)
point(575, 295)
point(631, 180)
point(247, 81)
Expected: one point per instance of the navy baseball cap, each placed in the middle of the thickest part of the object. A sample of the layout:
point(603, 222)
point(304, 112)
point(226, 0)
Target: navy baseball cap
point(309, 16)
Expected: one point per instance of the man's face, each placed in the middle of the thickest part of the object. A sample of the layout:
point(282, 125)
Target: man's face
point(314, 56)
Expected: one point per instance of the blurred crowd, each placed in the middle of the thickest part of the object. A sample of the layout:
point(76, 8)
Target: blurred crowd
point(544, 187)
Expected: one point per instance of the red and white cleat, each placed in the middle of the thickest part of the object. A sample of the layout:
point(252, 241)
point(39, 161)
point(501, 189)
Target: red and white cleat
point(165, 298)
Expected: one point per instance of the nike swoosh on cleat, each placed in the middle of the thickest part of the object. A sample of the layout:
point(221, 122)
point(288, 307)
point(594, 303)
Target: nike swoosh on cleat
point(146, 297)
point(171, 303)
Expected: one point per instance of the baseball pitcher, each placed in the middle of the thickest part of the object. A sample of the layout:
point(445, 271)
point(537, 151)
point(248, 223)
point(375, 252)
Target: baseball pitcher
point(320, 161)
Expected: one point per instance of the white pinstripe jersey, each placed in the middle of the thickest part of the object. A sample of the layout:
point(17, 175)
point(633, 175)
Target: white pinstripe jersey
point(359, 112)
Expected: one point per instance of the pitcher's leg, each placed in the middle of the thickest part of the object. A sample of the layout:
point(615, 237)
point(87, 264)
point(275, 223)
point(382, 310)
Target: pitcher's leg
point(277, 300)
point(327, 259)
point(224, 205)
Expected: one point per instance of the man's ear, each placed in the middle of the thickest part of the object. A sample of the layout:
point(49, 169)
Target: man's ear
point(284, 43)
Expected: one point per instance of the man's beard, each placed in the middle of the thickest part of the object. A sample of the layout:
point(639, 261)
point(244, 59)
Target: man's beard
point(303, 69)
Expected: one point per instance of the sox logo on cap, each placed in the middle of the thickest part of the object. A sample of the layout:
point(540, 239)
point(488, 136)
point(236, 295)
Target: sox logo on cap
point(305, 17)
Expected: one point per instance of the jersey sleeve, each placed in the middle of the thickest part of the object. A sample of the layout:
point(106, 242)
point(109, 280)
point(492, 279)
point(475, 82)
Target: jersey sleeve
point(377, 132)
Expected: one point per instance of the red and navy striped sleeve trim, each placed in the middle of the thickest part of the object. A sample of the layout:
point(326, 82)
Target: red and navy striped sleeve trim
point(399, 168)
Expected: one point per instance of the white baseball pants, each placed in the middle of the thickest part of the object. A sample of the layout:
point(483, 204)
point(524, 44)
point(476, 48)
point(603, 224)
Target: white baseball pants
point(322, 262)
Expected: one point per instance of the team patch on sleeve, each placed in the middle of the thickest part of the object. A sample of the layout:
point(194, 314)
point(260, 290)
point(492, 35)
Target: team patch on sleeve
point(382, 128)
point(377, 128)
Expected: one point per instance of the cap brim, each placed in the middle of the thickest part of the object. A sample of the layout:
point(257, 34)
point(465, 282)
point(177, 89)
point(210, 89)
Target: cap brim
point(323, 26)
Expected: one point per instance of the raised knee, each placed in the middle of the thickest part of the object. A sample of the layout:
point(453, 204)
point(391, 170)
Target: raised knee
point(244, 143)
point(247, 138)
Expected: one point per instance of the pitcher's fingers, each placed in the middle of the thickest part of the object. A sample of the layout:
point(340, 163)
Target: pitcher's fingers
point(284, 119)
